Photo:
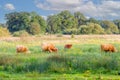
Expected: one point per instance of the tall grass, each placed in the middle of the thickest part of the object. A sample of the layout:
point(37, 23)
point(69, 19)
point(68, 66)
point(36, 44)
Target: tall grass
point(76, 60)
point(79, 59)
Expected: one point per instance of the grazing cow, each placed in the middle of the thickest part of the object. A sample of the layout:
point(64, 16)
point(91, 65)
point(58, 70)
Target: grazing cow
point(48, 47)
point(68, 46)
point(108, 48)
point(22, 49)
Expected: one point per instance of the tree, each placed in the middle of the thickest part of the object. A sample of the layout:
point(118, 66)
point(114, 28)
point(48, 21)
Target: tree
point(117, 22)
point(81, 19)
point(60, 22)
point(17, 21)
point(67, 20)
point(84, 29)
point(34, 28)
point(95, 28)
point(38, 19)
point(93, 20)
point(53, 24)
point(91, 28)
point(110, 27)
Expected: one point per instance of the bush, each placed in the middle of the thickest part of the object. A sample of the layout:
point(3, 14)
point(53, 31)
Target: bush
point(71, 31)
point(110, 27)
point(34, 28)
point(4, 32)
point(21, 33)
point(72, 36)
point(91, 28)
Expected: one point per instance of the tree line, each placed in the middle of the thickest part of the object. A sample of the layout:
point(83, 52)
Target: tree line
point(64, 22)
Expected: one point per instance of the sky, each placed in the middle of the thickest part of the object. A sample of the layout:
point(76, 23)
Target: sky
point(99, 9)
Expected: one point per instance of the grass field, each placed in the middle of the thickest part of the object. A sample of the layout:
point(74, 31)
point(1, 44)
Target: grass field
point(83, 61)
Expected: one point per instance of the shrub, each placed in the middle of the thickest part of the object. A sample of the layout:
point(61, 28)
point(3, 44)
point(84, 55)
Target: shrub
point(4, 32)
point(21, 33)
point(91, 28)
point(110, 27)
point(34, 28)
point(72, 36)
point(71, 31)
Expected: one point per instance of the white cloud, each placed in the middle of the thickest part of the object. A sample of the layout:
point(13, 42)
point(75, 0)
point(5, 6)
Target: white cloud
point(57, 4)
point(9, 6)
point(106, 8)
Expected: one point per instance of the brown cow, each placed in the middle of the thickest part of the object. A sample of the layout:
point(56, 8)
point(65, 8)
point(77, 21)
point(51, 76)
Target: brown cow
point(68, 46)
point(49, 47)
point(22, 49)
point(108, 48)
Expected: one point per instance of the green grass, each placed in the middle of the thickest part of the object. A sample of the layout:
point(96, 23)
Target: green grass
point(38, 76)
point(77, 59)
point(82, 61)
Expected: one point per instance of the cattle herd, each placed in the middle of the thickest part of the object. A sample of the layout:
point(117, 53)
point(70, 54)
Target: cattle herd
point(51, 48)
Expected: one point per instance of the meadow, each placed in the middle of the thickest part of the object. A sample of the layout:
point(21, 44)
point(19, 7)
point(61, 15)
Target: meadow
point(83, 61)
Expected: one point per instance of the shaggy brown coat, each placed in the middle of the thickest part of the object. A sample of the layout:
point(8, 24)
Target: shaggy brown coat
point(49, 47)
point(108, 48)
point(68, 46)
point(22, 49)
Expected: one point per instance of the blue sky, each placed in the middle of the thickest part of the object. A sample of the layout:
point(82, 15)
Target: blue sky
point(100, 9)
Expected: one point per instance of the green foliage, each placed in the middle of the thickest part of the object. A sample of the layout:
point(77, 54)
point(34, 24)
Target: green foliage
point(93, 20)
point(95, 28)
point(35, 18)
point(21, 33)
point(87, 73)
point(64, 22)
point(91, 28)
point(68, 21)
point(4, 75)
point(4, 32)
point(117, 22)
point(71, 31)
point(58, 64)
point(96, 63)
point(81, 19)
point(84, 29)
point(17, 21)
point(53, 23)
point(110, 27)
point(34, 28)
point(1, 68)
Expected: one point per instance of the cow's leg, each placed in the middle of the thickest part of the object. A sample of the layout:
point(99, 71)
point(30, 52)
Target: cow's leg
point(49, 50)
